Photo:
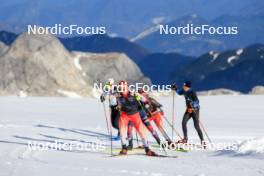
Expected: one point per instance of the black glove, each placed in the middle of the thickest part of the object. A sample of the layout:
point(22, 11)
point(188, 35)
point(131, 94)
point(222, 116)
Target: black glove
point(102, 98)
point(174, 86)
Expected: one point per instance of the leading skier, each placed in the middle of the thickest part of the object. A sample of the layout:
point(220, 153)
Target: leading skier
point(192, 110)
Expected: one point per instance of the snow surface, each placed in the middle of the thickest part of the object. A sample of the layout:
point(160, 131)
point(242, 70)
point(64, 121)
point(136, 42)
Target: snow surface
point(69, 94)
point(227, 119)
point(145, 33)
point(231, 59)
point(194, 15)
point(214, 54)
point(22, 93)
point(251, 146)
point(239, 51)
point(158, 20)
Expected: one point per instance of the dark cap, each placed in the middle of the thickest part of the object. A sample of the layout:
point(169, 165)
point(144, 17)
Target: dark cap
point(187, 84)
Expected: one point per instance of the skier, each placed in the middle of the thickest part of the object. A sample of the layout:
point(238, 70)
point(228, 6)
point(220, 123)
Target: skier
point(129, 107)
point(192, 110)
point(153, 113)
point(112, 93)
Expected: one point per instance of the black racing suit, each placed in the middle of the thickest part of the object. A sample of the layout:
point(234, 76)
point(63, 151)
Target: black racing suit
point(192, 102)
point(115, 113)
point(129, 105)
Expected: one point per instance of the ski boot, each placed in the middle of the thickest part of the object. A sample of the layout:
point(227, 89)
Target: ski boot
point(170, 144)
point(150, 152)
point(204, 144)
point(123, 151)
point(130, 145)
point(140, 147)
point(182, 141)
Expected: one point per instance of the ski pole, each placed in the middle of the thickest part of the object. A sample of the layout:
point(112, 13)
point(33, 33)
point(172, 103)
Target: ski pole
point(164, 134)
point(106, 119)
point(173, 128)
point(172, 120)
point(109, 129)
point(201, 124)
point(111, 136)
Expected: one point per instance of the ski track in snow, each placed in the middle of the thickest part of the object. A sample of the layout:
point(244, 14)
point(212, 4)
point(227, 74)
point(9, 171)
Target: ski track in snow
point(48, 119)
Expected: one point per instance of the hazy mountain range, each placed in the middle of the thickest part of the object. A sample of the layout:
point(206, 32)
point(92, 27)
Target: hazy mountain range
point(125, 18)
point(250, 30)
point(138, 20)
point(240, 69)
point(94, 43)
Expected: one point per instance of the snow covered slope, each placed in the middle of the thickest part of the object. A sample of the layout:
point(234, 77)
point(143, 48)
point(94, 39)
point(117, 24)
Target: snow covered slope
point(227, 119)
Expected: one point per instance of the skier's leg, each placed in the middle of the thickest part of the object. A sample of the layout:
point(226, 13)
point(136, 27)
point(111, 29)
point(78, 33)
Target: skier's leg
point(141, 131)
point(116, 122)
point(152, 131)
point(159, 123)
point(185, 119)
point(150, 128)
point(195, 116)
point(130, 135)
point(123, 123)
point(130, 130)
point(136, 120)
point(115, 115)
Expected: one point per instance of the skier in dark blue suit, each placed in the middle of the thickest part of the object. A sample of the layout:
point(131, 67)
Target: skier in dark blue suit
point(192, 110)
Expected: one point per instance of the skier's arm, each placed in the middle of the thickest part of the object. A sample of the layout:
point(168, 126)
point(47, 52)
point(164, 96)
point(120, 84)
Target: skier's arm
point(106, 91)
point(155, 102)
point(178, 91)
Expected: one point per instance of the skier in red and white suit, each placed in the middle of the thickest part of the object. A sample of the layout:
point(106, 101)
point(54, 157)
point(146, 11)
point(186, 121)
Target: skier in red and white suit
point(155, 114)
point(129, 112)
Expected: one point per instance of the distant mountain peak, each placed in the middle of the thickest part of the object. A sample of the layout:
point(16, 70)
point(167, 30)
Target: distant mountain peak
point(239, 69)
